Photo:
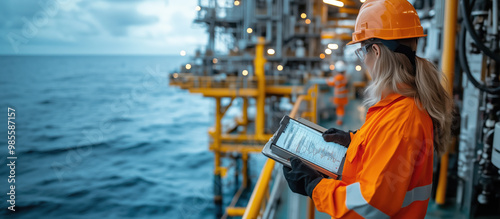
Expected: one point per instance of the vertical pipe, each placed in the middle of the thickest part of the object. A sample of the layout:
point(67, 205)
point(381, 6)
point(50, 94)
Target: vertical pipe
point(246, 19)
point(236, 175)
point(279, 29)
point(217, 162)
point(494, 29)
point(314, 101)
point(448, 67)
point(269, 22)
point(212, 14)
point(259, 63)
point(310, 209)
point(245, 114)
point(244, 169)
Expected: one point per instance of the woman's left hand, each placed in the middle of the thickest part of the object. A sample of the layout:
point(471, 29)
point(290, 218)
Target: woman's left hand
point(301, 178)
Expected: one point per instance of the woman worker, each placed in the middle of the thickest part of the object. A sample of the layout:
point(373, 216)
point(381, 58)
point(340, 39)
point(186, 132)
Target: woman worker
point(389, 160)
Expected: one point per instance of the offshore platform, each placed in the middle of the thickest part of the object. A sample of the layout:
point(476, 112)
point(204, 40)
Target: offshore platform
point(271, 58)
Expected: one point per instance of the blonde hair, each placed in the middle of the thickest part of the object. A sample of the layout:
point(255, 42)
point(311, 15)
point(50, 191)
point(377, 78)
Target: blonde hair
point(392, 72)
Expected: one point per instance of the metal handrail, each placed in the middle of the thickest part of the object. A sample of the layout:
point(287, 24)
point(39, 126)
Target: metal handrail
point(192, 81)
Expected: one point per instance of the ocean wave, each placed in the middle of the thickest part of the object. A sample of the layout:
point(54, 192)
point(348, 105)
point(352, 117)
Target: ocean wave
point(56, 151)
point(120, 119)
point(48, 138)
point(45, 102)
point(129, 182)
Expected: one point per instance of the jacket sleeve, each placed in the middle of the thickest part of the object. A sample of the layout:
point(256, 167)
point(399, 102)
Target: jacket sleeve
point(330, 81)
point(381, 183)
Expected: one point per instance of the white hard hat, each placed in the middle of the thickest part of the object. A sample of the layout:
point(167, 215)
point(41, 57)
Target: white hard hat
point(340, 66)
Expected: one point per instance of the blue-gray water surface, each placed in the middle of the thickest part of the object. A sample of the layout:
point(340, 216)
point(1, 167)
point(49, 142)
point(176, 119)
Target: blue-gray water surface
point(104, 137)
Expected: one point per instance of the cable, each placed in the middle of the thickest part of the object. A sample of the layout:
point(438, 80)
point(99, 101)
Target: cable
point(465, 66)
point(468, 25)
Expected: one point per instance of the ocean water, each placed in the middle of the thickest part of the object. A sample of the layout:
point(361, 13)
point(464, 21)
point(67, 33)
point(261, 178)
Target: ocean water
point(104, 137)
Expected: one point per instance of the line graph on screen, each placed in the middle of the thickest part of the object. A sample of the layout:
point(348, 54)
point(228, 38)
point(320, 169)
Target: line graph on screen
point(309, 144)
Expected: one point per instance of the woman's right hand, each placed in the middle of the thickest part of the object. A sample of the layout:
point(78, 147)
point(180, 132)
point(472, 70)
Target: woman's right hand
point(337, 136)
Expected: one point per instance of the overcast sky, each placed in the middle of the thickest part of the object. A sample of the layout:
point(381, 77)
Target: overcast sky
point(99, 27)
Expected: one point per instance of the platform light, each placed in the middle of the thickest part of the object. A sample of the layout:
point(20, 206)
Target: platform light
point(333, 46)
point(236, 3)
point(271, 51)
point(303, 15)
point(358, 68)
point(175, 75)
point(328, 51)
point(198, 8)
point(215, 60)
point(334, 3)
point(183, 53)
point(249, 30)
point(332, 67)
point(244, 72)
point(279, 67)
point(362, 1)
point(322, 56)
point(308, 21)
point(188, 66)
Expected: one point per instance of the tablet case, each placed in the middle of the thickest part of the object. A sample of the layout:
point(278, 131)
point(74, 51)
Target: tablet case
point(275, 152)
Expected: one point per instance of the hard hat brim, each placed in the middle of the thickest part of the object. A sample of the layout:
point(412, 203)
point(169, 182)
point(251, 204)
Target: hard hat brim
point(354, 41)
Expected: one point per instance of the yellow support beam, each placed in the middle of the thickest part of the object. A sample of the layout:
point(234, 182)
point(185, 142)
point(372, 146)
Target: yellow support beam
point(235, 211)
point(349, 3)
point(241, 148)
point(448, 67)
point(311, 209)
point(349, 10)
point(217, 159)
point(217, 134)
point(296, 106)
point(224, 110)
point(283, 90)
point(244, 121)
point(259, 63)
point(313, 93)
point(225, 92)
point(336, 36)
point(235, 137)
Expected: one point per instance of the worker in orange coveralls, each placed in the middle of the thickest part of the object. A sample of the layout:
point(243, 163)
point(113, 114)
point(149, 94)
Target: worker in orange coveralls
point(339, 82)
point(388, 165)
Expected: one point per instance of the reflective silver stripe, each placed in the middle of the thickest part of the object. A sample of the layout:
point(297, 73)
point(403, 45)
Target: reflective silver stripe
point(340, 95)
point(421, 193)
point(341, 89)
point(355, 201)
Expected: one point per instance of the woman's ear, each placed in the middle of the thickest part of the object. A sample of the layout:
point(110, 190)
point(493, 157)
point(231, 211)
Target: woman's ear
point(376, 50)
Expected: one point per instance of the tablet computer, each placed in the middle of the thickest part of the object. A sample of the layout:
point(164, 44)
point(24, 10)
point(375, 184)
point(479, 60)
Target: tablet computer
point(303, 139)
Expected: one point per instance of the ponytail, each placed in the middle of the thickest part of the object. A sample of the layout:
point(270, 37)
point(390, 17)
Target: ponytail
point(436, 100)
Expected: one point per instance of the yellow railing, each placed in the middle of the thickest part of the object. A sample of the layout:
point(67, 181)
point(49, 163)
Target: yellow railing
point(256, 203)
point(187, 80)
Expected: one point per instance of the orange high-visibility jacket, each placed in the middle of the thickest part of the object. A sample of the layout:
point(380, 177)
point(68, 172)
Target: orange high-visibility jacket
point(339, 82)
point(388, 167)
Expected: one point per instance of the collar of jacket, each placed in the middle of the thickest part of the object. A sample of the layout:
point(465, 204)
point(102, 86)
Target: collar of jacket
point(387, 101)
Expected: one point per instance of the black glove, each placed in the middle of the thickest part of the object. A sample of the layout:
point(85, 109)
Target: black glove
point(301, 178)
point(337, 136)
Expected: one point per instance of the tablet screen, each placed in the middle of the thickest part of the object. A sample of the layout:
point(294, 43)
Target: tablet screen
point(309, 144)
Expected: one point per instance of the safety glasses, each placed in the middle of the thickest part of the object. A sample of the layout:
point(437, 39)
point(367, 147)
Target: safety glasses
point(362, 51)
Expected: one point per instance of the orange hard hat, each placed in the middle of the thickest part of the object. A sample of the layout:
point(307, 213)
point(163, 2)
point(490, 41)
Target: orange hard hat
point(388, 20)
